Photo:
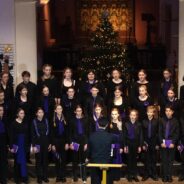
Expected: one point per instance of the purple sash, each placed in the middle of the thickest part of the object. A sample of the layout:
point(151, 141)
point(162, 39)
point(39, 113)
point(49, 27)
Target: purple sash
point(2, 128)
point(167, 131)
point(79, 126)
point(60, 126)
point(96, 122)
point(117, 158)
point(149, 129)
point(21, 155)
point(131, 131)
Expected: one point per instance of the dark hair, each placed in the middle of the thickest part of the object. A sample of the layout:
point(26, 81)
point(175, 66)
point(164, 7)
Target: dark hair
point(21, 87)
point(3, 73)
point(168, 106)
point(26, 73)
point(64, 70)
point(103, 122)
point(167, 70)
point(45, 86)
point(95, 86)
point(46, 65)
point(1, 91)
point(39, 108)
point(18, 110)
point(143, 71)
point(118, 88)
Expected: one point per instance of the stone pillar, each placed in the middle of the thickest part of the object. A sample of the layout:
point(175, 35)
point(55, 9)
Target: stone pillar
point(25, 39)
point(181, 43)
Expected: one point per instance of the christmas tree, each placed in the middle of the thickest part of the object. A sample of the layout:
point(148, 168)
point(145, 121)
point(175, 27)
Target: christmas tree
point(106, 53)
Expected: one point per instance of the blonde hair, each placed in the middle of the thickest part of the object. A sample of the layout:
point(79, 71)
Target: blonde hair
point(145, 88)
point(62, 116)
point(119, 117)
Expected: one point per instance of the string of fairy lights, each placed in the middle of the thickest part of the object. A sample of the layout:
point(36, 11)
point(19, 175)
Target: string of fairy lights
point(107, 53)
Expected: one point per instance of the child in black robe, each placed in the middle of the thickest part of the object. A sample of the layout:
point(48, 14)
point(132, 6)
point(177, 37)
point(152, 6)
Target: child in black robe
point(78, 142)
point(3, 147)
point(116, 80)
point(133, 144)
point(60, 143)
point(85, 87)
point(168, 137)
point(92, 100)
point(142, 101)
point(47, 103)
point(19, 146)
point(150, 137)
point(142, 80)
point(49, 80)
point(41, 145)
point(67, 82)
point(116, 128)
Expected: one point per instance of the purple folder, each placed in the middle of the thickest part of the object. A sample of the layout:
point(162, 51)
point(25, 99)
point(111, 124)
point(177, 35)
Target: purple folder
point(38, 148)
point(168, 143)
point(76, 146)
point(15, 148)
point(181, 148)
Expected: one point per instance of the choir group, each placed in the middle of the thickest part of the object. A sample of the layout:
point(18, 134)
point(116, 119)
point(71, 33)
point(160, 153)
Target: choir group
point(55, 120)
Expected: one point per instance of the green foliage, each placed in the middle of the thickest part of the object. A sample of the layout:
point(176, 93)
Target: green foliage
point(106, 53)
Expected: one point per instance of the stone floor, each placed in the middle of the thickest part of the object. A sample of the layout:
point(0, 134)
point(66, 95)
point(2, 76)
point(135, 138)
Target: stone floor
point(123, 181)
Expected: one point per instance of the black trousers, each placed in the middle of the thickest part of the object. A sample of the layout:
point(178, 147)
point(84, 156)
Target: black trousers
point(3, 162)
point(96, 176)
point(79, 157)
point(61, 162)
point(167, 156)
point(150, 161)
point(132, 159)
point(182, 164)
point(42, 162)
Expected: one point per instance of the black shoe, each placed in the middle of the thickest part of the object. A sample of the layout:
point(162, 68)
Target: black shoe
point(75, 179)
point(164, 180)
point(39, 181)
point(63, 180)
point(135, 178)
point(181, 178)
point(46, 180)
point(170, 180)
point(145, 178)
point(58, 180)
point(154, 178)
point(129, 178)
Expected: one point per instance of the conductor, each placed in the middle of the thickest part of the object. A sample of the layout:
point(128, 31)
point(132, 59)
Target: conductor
point(99, 151)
